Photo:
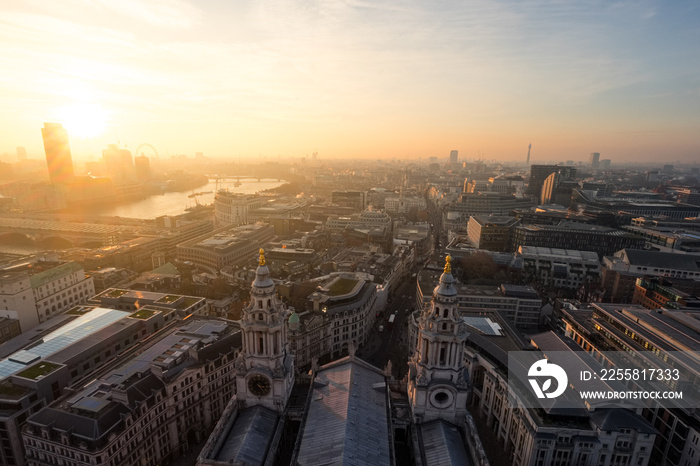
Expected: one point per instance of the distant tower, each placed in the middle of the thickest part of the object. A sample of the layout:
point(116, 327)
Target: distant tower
point(454, 157)
point(528, 154)
point(437, 380)
point(21, 153)
point(265, 366)
point(595, 159)
point(58, 157)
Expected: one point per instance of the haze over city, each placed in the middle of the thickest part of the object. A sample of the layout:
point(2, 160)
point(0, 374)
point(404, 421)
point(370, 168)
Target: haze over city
point(356, 79)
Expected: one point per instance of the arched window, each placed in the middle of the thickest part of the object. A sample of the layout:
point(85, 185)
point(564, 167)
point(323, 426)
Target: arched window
point(444, 312)
point(437, 311)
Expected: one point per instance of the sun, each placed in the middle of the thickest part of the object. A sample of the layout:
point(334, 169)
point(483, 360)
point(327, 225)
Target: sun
point(84, 120)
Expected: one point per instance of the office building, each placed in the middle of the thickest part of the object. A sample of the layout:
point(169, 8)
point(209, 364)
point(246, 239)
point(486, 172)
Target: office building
point(594, 160)
point(539, 173)
point(454, 157)
point(521, 305)
point(356, 200)
point(570, 235)
point(36, 291)
point(560, 268)
point(227, 246)
point(150, 409)
point(668, 335)
point(483, 203)
point(491, 232)
point(142, 167)
point(38, 367)
point(57, 149)
point(557, 190)
point(340, 313)
point(404, 204)
point(232, 208)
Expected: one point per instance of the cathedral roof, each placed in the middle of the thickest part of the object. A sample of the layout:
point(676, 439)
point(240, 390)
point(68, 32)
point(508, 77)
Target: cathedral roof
point(347, 420)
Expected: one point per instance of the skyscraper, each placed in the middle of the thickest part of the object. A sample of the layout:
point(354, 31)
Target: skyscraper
point(454, 156)
point(595, 159)
point(57, 150)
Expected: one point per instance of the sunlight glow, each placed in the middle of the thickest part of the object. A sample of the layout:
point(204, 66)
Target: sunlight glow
point(83, 120)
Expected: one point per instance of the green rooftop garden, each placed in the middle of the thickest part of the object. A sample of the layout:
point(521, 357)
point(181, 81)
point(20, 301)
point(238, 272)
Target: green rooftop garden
point(342, 286)
point(168, 298)
point(38, 370)
point(114, 293)
point(143, 314)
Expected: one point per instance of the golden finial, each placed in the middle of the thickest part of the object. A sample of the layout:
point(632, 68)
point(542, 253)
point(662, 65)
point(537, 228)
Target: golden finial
point(262, 256)
point(448, 266)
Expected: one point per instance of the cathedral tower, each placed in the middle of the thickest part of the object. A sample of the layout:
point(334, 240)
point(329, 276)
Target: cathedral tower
point(265, 367)
point(437, 380)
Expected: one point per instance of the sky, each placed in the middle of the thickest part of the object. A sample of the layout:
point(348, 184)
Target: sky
point(356, 79)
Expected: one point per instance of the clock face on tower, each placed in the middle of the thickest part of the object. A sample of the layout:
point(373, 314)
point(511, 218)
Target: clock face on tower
point(259, 385)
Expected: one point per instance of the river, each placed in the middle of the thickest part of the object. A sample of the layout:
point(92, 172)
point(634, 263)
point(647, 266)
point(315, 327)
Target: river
point(174, 203)
point(171, 203)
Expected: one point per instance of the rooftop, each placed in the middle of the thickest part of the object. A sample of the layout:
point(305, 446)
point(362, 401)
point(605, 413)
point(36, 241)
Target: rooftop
point(66, 335)
point(347, 420)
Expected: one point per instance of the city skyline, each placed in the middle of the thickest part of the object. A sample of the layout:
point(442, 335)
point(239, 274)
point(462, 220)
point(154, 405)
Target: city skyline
point(356, 79)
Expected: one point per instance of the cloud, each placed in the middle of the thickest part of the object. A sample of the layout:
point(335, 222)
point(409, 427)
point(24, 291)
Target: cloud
point(167, 13)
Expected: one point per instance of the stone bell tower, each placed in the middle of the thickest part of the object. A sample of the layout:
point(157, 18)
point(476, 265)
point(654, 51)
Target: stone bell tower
point(437, 379)
point(265, 366)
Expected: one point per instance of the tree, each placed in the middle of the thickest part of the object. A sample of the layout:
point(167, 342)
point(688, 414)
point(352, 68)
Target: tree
point(479, 265)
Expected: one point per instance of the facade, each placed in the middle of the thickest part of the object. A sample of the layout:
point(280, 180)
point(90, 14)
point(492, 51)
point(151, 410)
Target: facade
point(571, 235)
point(37, 367)
point(233, 208)
point(562, 268)
point(265, 366)
point(457, 214)
point(340, 314)
point(656, 293)
point(594, 160)
point(403, 204)
point(228, 246)
point(58, 156)
point(557, 189)
point(149, 410)
point(491, 232)
point(366, 220)
point(539, 173)
point(417, 234)
point(521, 305)
point(616, 327)
point(33, 293)
point(354, 199)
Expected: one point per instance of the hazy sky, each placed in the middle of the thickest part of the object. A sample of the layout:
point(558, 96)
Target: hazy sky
point(354, 78)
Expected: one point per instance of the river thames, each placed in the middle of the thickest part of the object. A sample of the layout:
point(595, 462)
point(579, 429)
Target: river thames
point(170, 203)
point(174, 203)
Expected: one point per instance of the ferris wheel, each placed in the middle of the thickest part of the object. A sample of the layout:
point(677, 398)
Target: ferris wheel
point(152, 152)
